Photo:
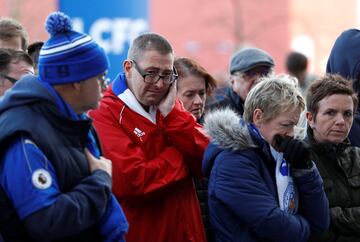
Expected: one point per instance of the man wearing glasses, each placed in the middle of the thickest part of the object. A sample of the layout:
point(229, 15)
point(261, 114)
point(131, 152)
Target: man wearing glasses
point(13, 65)
point(246, 68)
point(55, 185)
point(155, 145)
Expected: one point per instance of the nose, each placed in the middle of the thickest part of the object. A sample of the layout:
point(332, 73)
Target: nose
point(257, 78)
point(252, 82)
point(290, 132)
point(103, 87)
point(198, 99)
point(340, 119)
point(160, 83)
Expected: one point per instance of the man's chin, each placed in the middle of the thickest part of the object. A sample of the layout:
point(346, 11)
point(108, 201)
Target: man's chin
point(153, 101)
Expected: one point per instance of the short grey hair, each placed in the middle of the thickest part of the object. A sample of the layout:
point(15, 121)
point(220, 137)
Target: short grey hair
point(273, 95)
point(147, 42)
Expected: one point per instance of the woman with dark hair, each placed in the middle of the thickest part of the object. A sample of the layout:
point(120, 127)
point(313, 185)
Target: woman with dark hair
point(331, 104)
point(194, 84)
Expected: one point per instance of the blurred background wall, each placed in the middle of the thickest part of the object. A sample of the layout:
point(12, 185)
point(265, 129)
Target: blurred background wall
point(211, 30)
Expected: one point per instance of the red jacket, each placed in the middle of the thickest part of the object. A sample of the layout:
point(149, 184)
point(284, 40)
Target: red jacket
point(153, 166)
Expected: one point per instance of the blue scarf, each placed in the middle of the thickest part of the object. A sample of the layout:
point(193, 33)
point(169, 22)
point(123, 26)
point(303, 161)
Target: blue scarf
point(285, 186)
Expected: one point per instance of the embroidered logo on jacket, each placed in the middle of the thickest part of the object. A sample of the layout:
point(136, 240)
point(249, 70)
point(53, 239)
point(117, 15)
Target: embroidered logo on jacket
point(139, 133)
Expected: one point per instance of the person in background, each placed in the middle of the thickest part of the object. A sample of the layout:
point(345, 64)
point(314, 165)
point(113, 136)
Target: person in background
point(54, 183)
point(34, 51)
point(331, 104)
point(247, 66)
point(344, 59)
point(13, 65)
point(296, 65)
point(263, 185)
point(194, 85)
point(155, 145)
point(12, 34)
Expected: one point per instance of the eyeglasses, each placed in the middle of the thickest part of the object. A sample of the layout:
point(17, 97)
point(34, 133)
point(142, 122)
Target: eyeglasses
point(103, 81)
point(11, 79)
point(153, 77)
point(259, 71)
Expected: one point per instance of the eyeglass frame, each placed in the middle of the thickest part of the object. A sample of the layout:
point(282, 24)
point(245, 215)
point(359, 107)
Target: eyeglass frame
point(103, 81)
point(9, 78)
point(142, 73)
point(249, 74)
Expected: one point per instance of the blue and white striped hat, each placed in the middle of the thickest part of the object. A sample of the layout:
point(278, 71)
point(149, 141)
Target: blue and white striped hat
point(69, 56)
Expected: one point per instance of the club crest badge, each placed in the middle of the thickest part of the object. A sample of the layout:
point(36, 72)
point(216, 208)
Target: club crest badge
point(291, 199)
point(41, 179)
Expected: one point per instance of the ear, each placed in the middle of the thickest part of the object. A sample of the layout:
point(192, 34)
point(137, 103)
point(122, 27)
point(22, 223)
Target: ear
point(257, 117)
point(232, 80)
point(311, 120)
point(127, 68)
point(76, 86)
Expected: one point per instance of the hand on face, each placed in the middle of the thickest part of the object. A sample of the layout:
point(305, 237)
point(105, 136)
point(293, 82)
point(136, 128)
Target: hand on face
point(151, 64)
point(296, 151)
point(168, 102)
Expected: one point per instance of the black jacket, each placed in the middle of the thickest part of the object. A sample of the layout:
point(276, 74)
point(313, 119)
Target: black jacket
point(339, 166)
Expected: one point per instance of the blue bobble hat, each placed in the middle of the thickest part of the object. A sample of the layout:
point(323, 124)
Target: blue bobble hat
point(69, 56)
point(249, 58)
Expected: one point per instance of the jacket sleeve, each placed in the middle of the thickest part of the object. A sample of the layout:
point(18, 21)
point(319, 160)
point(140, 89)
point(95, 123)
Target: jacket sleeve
point(47, 212)
point(72, 212)
point(240, 186)
point(187, 135)
point(313, 203)
point(346, 220)
point(134, 175)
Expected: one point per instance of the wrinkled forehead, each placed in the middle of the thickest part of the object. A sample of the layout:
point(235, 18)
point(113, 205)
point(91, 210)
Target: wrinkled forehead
point(155, 59)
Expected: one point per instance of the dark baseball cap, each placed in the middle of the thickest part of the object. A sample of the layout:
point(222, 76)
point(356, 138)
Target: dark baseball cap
point(249, 58)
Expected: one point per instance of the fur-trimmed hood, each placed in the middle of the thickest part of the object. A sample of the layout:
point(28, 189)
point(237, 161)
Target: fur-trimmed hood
point(227, 132)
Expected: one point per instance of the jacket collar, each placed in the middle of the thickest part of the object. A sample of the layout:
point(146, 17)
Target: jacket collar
point(325, 148)
point(121, 90)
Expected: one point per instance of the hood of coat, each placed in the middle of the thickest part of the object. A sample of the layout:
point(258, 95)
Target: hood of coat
point(227, 131)
point(344, 57)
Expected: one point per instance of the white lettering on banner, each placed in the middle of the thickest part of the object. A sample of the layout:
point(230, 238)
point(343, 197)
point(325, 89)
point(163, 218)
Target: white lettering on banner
point(119, 30)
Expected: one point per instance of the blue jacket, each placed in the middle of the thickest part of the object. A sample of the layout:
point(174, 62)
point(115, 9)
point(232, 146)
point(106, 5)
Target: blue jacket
point(57, 198)
point(344, 59)
point(243, 199)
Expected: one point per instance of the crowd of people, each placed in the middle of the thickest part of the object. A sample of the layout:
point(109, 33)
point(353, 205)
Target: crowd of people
point(159, 155)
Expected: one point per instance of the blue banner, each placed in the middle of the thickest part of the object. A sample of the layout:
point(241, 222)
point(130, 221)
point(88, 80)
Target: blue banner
point(113, 24)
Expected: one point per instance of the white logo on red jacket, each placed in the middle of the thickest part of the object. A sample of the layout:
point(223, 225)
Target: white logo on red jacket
point(139, 133)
